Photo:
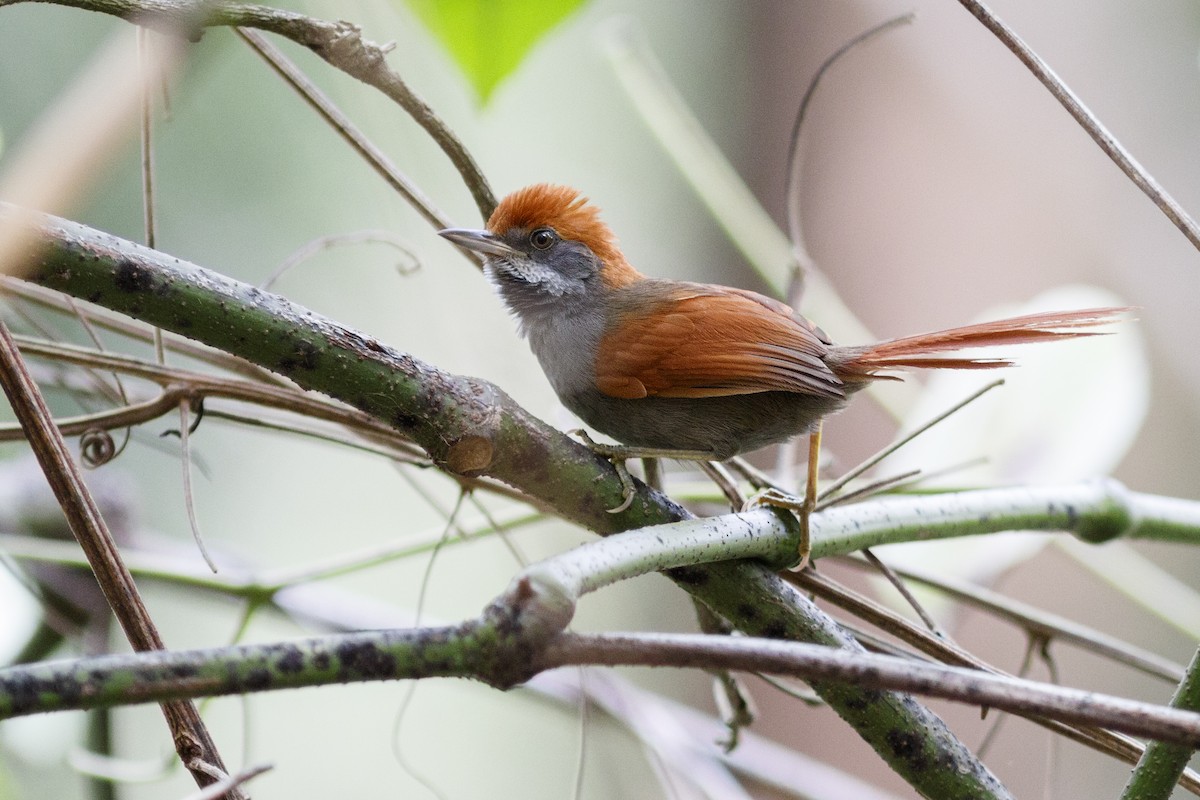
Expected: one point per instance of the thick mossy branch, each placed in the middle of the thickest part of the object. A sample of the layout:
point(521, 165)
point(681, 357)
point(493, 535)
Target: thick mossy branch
point(467, 426)
point(498, 648)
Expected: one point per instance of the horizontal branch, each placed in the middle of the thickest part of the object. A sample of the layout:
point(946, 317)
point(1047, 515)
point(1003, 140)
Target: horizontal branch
point(1094, 511)
point(811, 662)
point(478, 650)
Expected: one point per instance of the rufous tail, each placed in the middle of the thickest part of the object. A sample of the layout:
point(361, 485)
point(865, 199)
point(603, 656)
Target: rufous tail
point(921, 351)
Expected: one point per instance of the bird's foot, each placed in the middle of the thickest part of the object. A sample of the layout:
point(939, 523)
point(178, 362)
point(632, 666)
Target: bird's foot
point(802, 507)
point(618, 454)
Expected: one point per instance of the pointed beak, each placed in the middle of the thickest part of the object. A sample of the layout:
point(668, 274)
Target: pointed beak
point(480, 241)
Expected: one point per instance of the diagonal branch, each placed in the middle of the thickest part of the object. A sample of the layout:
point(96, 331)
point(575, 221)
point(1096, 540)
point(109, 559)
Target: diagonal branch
point(1161, 765)
point(467, 426)
point(1088, 121)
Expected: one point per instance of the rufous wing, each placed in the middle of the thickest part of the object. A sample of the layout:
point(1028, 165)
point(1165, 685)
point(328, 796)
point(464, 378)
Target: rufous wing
point(710, 341)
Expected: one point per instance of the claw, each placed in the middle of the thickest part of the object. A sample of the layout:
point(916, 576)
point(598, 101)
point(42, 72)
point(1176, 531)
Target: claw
point(618, 454)
point(799, 506)
point(617, 459)
point(628, 490)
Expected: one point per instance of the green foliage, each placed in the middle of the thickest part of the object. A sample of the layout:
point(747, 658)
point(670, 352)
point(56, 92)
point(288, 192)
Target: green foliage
point(489, 38)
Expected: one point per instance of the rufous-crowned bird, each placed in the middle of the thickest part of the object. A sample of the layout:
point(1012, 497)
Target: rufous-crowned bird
point(693, 370)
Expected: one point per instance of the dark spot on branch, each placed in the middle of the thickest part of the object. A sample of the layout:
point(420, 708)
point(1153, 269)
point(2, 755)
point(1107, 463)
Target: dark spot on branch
point(907, 746)
point(257, 679)
point(69, 691)
point(133, 278)
point(775, 629)
point(688, 576)
point(403, 421)
point(23, 692)
point(290, 662)
point(183, 671)
point(364, 660)
point(747, 612)
point(439, 666)
point(304, 355)
point(862, 698)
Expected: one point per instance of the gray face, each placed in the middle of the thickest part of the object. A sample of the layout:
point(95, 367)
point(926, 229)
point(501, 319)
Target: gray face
point(541, 264)
point(544, 280)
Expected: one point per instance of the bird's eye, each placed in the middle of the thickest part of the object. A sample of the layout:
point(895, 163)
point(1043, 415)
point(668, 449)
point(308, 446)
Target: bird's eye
point(543, 238)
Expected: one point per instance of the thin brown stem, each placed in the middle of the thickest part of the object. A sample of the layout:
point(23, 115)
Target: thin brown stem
point(189, 498)
point(1044, 625)
point(350, 133)
point(908, 596)
point(812, 662)
point(1088, 121)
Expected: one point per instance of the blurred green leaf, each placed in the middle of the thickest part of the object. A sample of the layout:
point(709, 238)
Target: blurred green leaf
point(488, 38)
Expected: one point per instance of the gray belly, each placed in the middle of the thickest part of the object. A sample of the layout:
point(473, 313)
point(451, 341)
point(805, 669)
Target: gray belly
point(724, 426)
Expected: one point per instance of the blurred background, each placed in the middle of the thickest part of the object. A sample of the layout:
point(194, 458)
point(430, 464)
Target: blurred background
point(941, 182)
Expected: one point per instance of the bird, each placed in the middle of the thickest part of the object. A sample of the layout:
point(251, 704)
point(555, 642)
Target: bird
point(689, 370)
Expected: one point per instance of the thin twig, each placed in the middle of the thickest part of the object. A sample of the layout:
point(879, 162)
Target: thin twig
point(947, 652)
point(1088, 121)
point(147, 140)
point(795, 222)
point(410, 690)
point(908, 437)
point(719, 475)
point(1044, 624)
point(876, 487)
point(224, 784)
point(985, 744)
point(350, 133)
point(908, 596)
point(110, 321)
point(823, 663)
point(189, 499)
point(326, 242)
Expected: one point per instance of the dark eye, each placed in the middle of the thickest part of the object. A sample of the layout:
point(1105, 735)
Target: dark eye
point(543, 238)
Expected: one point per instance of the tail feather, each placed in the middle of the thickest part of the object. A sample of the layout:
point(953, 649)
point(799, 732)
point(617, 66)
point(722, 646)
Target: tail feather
point(920, 352)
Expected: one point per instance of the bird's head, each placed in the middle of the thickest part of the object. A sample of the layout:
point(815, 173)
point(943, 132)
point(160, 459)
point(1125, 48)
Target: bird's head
point(547, 242)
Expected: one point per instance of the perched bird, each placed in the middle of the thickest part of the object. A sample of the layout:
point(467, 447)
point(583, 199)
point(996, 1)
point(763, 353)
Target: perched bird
point(675, 366)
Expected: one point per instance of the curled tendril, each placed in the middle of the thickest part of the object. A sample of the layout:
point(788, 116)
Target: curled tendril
point(97, 447)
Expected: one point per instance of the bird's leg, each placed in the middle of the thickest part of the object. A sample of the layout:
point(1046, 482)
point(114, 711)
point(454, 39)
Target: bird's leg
point(802, 507)
point(652, 470)
point(810, 494)
point(618, 454)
